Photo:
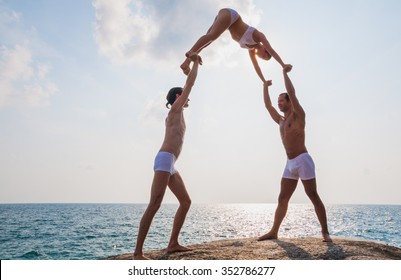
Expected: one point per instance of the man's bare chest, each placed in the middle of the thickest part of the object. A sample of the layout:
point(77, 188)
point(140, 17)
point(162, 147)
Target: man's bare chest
point(289, 126)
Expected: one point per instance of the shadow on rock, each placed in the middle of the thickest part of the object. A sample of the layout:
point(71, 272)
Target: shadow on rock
point(334, 252)
point(293, 251)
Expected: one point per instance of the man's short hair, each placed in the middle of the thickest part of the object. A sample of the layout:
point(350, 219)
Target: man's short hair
point(287, 97)
point(172, 94)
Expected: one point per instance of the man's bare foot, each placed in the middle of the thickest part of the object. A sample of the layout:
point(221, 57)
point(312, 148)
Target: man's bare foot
point(177, 248)
point(139, 257)
point(326, 237)
point(267, 236)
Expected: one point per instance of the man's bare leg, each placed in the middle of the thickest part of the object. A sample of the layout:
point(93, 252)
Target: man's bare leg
point(177, 186)
point(288, 187)
point(311, 190)
point(159, 185)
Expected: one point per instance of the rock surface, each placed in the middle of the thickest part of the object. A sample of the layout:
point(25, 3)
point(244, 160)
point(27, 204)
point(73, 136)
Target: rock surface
point(280, 249)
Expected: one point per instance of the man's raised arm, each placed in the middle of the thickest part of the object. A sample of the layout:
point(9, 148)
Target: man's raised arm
point(291, 93)
point(268, 103)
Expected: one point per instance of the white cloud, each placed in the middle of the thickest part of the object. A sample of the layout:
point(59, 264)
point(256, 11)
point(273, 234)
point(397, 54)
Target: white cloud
point(9, 23)
point(122, 35)
point(14, 64)
point(23, 78)
point(23, 81)
point(155, 32)
point(154, 112)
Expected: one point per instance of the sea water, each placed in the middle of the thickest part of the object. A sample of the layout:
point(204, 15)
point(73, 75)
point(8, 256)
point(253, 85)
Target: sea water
point(93, 231)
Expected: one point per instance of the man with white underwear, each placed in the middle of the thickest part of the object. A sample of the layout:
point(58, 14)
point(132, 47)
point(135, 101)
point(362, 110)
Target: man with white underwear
point(299, 163)
point(165, 173)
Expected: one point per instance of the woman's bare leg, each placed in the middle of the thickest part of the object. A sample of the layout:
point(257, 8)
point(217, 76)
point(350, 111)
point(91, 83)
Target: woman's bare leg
point(220, 24)
point(177, 186)
point(159, 185)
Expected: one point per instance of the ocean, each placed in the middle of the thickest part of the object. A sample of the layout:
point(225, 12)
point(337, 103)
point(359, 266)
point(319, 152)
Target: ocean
point(93, 231)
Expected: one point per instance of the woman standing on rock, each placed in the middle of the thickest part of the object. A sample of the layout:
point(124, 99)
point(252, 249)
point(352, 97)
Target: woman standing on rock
point(165, 173)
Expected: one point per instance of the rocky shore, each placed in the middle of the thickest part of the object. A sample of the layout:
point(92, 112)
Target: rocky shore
point(309, 248)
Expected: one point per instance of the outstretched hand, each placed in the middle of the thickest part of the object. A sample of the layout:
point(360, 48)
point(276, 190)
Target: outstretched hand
point(287, 68)
point(193, 56)
point(267, 83)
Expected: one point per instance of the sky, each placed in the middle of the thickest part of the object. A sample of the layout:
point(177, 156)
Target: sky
point(83, 86)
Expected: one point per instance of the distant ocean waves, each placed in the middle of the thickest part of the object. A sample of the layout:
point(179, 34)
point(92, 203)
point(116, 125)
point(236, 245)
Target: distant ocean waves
point(92, 231)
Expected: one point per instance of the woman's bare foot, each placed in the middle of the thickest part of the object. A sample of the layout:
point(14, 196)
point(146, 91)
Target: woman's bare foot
point(326, 237)
point(267, 236)
point(140, 257)
point(185, 66)
point(177, 248)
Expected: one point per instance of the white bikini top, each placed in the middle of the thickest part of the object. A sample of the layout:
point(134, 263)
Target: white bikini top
point(247, 39)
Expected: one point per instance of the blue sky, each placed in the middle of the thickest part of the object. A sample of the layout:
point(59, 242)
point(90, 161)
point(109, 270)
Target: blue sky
point(82, 88)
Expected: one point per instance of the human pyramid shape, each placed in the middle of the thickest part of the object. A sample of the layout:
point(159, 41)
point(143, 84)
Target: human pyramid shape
point(299, 165)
